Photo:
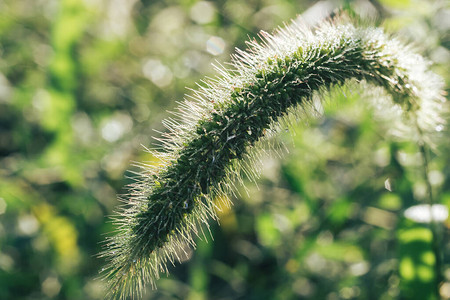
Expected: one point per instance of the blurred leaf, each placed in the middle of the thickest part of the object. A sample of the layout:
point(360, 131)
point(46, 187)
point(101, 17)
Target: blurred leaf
point(417, 261)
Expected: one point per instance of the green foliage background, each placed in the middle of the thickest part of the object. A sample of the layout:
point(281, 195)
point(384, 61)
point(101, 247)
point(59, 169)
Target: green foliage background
point(82, 85)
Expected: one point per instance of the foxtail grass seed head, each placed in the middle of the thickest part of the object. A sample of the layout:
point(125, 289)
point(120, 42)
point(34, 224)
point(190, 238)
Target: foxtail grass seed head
point(214, 130)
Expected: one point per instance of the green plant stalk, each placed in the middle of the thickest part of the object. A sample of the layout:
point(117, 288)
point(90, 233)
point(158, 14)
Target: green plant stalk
point(205, 149)
point(434, 226)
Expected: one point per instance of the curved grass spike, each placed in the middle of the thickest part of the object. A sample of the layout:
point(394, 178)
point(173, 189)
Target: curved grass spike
point(216, 128)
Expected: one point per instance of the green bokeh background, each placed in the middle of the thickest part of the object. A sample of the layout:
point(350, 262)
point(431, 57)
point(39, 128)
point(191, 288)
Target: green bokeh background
point(83, 84)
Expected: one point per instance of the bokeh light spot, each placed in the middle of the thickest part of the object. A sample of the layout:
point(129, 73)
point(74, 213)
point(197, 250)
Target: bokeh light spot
point(157, 72)
point(51, 286)
point(424, 214)
point(202, 12)
point(28, 224)
point(115, 127)
point(215, 45)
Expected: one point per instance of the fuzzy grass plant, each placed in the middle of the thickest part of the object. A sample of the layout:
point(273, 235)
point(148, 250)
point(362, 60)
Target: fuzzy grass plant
point(207, 144)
